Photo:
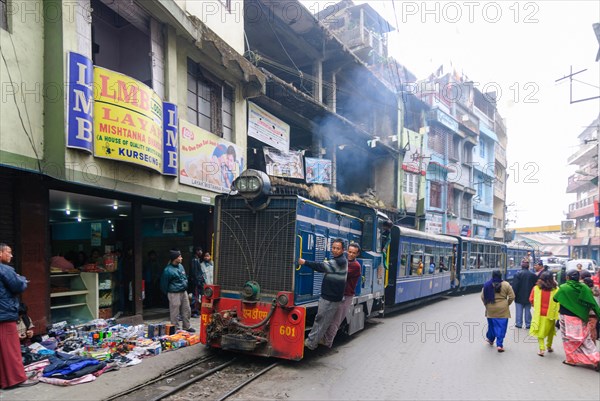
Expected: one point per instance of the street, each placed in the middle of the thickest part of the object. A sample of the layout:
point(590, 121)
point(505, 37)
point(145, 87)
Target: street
point(435, 352)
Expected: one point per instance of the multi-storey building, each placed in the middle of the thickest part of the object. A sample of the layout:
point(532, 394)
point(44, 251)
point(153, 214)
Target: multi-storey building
point(584, 183)
point(335, 110)
point(123, 121)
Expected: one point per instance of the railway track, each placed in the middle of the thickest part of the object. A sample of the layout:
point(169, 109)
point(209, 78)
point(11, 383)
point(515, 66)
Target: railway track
point(215, 377)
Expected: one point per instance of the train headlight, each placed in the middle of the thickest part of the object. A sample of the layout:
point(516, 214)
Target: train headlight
point(208, 292)
point(282, 299)
point(251, 291)
point(252, 183)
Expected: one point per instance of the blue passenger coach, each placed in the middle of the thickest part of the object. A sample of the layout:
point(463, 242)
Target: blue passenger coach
point(514, 255)
point(421, 266)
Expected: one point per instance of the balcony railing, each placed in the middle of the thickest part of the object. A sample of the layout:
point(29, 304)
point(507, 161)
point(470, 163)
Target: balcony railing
point(582, 203)
point(577, 183)
point(583, 154)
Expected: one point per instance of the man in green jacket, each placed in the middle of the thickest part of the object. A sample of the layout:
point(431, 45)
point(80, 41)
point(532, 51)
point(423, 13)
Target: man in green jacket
point(174, 282)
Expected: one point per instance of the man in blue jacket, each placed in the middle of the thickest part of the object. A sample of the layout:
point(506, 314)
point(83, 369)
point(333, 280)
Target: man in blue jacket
point(332, 291)
point(174, 282)
point(12, 372)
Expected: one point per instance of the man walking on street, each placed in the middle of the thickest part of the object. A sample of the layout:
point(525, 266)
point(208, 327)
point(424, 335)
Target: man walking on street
point(174, 283)
point(332, 291)
point(354, 272)
point(523, 282)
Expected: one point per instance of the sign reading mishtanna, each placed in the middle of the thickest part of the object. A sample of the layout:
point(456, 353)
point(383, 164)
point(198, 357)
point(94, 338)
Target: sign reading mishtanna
point(127, 120)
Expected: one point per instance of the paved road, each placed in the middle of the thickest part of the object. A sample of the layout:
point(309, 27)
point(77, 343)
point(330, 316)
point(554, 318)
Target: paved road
point(435, 352)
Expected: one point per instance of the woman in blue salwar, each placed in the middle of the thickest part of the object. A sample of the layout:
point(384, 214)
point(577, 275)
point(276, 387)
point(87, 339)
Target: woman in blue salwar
point(497, 295)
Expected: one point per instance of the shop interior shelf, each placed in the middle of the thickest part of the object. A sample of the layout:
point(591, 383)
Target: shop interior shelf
point(67, 305)
point(68, 293)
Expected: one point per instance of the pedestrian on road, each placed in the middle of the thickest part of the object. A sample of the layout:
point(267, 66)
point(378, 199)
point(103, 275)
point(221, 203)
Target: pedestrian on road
point(497, 295)
point(12, 372)
point(545, 312)
point(208, 268)
point(539, 268)
point(586, 278)
point(523, 283)
point(174, 282)
point(196, 281)
point(354, 272)
point(575, 301)
point(332, 291)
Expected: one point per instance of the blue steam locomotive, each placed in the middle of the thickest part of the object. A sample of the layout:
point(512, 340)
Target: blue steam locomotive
point(262, 301)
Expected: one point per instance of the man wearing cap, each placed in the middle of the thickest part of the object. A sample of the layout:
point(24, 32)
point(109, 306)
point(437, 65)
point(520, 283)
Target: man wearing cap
point(174, 282)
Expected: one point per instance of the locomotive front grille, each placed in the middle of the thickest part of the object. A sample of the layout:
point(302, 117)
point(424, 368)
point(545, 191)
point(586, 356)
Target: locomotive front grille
point(256, 245)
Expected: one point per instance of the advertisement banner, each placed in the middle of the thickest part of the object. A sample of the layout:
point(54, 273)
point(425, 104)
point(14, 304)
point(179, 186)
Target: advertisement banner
point(207, 161)
point(170, 139)
point(267, 128)
point(282, 164)
point(127, 120)
point(412, 143)
point(80, 102)
point(318, 171)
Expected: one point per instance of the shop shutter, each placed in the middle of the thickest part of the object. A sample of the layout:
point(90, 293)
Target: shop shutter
point(7, 224)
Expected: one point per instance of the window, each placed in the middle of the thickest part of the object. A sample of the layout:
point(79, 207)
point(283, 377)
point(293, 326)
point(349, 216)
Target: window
point(466, 206)
point(482, 148)
point(3, 15)
point(435, 194)
point(209, 104)
point(410, 183)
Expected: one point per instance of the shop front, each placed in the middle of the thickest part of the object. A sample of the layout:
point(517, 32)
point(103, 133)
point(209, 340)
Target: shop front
point(107, 254)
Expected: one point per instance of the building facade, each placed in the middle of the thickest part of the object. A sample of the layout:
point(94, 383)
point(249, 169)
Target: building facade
point(585, 240)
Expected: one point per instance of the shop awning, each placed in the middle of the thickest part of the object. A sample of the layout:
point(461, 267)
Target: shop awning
point(583, 241)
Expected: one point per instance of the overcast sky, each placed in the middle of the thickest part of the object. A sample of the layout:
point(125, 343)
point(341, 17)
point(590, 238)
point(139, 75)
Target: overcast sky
point(520, 49)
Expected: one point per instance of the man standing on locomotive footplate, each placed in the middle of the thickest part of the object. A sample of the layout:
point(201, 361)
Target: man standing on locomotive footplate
point(332, 291)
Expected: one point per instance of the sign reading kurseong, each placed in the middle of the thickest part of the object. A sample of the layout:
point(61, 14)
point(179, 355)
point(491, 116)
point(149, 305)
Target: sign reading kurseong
point(127, 120)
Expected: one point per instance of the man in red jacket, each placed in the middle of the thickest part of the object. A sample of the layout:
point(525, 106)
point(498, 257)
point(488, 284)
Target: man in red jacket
point(354, 272)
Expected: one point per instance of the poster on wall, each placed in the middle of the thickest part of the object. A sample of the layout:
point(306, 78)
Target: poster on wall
point(283, 164)
point(96, 234)
point(267, 128)
point(127, 120)
point(318, 171)
point(206, 160)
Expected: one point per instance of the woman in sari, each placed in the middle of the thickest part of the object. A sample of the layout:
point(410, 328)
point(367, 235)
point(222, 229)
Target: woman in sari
point(545, 312)
point(576, 300)
point(497, 295)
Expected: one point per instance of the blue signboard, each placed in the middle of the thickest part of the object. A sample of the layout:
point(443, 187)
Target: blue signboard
point(170, 157)
point(80, 102)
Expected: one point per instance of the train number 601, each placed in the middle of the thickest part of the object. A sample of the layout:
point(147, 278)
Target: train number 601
point(287, 331)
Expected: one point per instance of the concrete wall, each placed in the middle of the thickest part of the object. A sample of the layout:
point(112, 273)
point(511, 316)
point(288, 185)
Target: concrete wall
point(229, 25)
point(22, 124)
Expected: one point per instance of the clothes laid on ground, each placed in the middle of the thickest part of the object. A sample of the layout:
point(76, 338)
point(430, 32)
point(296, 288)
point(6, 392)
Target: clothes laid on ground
point(67, 366)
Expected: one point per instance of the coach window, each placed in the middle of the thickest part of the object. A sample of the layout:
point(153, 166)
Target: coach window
point(416, 263)
point(121, 39)
point(404, 253)
point(428, 259)
point(209, 102)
